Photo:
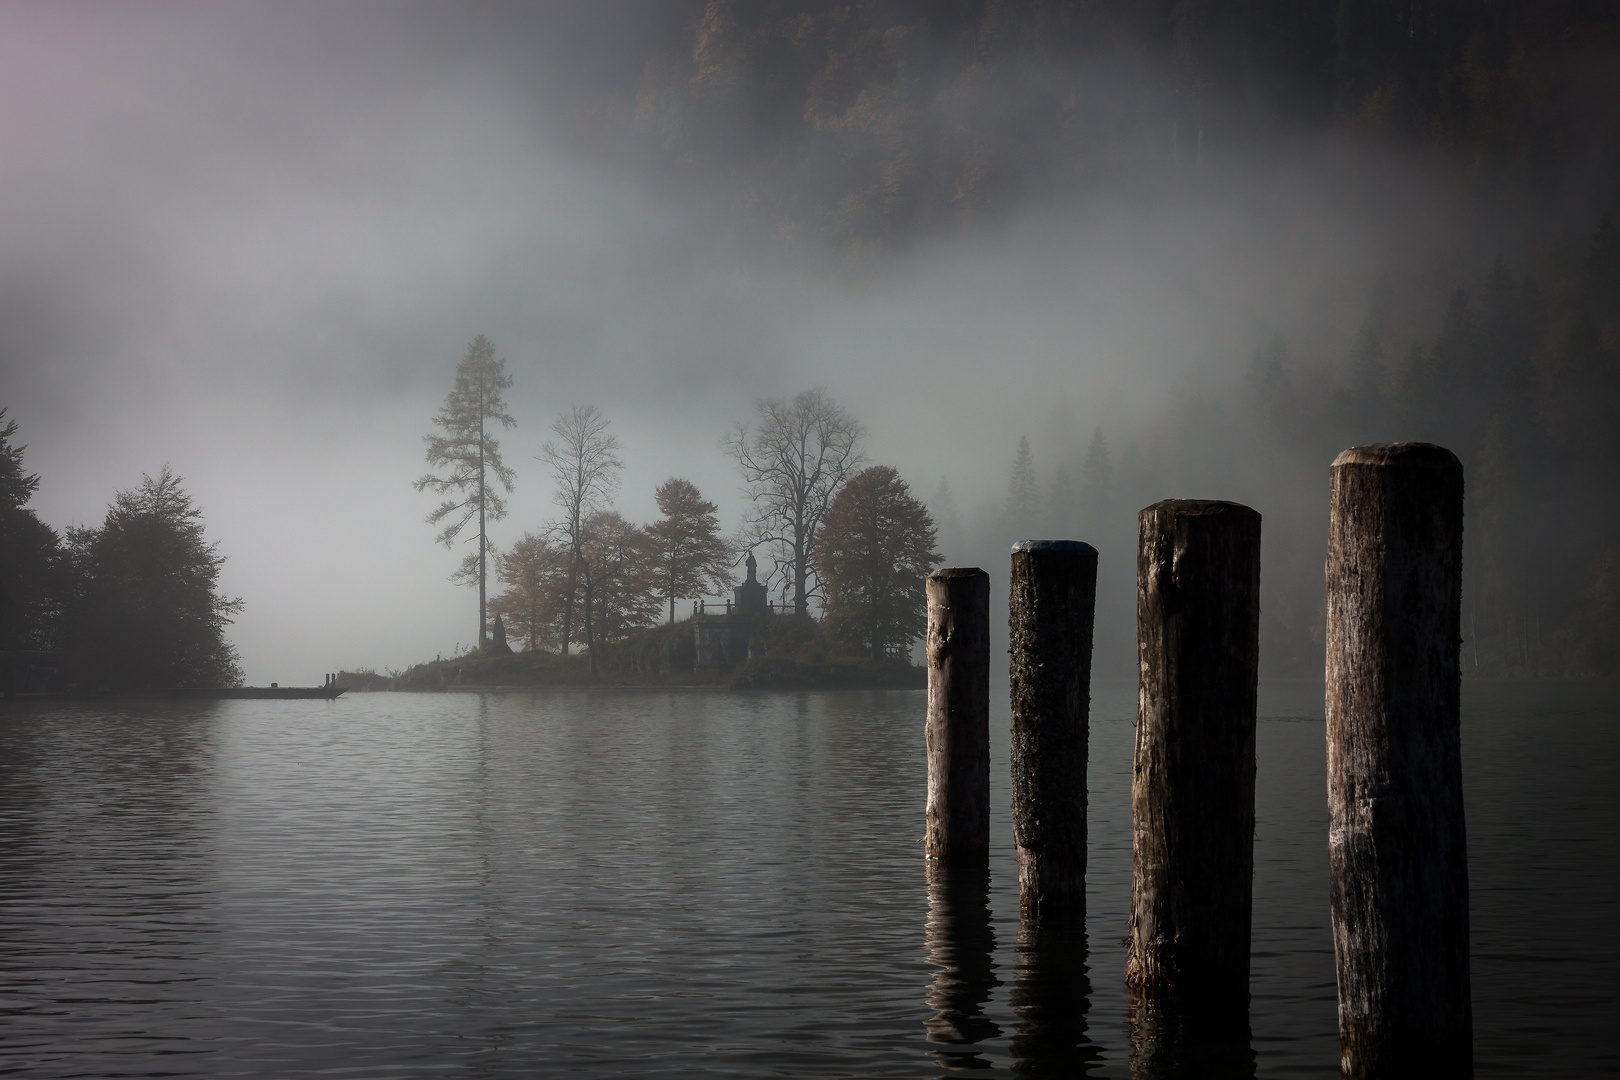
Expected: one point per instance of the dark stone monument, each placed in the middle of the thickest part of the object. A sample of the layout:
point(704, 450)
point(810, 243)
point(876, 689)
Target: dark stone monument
point(497, 642)
point(750, 595)
point(722, 640)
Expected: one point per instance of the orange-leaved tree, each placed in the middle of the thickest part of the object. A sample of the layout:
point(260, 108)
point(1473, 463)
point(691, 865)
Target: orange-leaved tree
point(875, 548)
point(535, 573)
point(615, 580)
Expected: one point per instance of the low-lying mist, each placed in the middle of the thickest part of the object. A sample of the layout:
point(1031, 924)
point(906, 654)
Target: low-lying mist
point(251, 244)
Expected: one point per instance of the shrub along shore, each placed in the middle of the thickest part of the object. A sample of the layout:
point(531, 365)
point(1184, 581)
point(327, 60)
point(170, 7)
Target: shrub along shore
point(787, 654)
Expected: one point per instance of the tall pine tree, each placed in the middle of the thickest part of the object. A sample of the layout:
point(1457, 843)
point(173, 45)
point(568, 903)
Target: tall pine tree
point(468, 460)
point(1023, 496)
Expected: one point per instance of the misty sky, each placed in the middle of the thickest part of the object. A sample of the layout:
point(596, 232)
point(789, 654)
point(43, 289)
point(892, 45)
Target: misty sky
point(251, 241)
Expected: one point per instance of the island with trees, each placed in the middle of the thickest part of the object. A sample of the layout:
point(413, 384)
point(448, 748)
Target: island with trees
point(591, 598)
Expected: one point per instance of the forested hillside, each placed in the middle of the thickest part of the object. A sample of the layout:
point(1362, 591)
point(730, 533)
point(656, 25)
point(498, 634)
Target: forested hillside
point(866, 125)
point(851, 131)
point(1521, 381)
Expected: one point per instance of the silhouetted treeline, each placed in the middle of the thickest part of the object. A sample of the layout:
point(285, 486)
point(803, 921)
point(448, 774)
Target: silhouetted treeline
point(133, 603)
point(1522, 381)
point(865, 123)
point(844, 537)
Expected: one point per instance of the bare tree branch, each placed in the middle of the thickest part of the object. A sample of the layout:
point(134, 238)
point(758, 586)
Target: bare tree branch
point(585, 465)
point(793, 461)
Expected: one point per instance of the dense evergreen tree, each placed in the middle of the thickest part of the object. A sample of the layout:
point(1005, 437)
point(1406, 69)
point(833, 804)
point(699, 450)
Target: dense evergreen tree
point(29, 560)
point(1097, 481)
point(692, 557)
point(145, 608)
point(1022, 513)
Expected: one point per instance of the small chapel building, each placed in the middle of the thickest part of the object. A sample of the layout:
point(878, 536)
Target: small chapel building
point(722, 641)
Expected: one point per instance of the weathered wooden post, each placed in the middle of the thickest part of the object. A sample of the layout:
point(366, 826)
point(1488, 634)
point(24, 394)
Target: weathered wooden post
point(1051, 607)
point(1397, 848)
point(958, 727)
point(1192, 789)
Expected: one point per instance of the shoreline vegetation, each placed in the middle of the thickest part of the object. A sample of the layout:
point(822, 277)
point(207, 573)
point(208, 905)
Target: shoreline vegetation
point(786, 653)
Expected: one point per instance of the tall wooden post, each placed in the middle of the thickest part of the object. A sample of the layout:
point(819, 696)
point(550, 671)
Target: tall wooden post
point(1050, 612)
point(1397, 849)
point(1192, 789)
point(958, 727)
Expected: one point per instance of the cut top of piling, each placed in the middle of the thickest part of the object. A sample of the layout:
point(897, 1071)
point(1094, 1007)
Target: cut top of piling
point(949, 572)
point(1412, 455)
point(1057, 547)
point(1201, 508)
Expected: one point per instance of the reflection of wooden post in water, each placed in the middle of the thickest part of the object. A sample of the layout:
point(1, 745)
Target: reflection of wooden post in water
point(961, 946)
point(1170, 1042)
point(1397, 849)
point(958, 728)
point(1051, 997)
point(1192, 790)
point(1051, 604)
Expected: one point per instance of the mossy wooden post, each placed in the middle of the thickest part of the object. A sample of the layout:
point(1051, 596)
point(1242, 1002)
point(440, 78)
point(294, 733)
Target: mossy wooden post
point(1051, 606)
point(1192, 789)
point(1397, 849)
point(958, 729)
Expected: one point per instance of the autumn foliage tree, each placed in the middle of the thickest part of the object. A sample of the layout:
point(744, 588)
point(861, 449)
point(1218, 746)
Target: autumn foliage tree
point(875, 548)
point(534, 572)
point(691, 556)
point(615, 578)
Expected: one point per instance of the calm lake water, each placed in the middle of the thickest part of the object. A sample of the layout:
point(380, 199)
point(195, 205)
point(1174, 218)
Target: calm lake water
point(700, 883)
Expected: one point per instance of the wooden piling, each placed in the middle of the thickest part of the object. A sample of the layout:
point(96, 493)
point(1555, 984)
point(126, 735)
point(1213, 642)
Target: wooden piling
point(1051, 606)
point(1192, 789)
point(1397, 845)
point(958, 728)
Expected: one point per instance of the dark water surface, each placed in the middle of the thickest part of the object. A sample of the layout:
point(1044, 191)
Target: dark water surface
point(719, 884)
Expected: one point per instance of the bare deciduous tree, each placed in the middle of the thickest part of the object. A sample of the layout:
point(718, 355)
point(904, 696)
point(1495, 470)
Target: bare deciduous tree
point(470, 453)
point(584, 462)
point(794, 460)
